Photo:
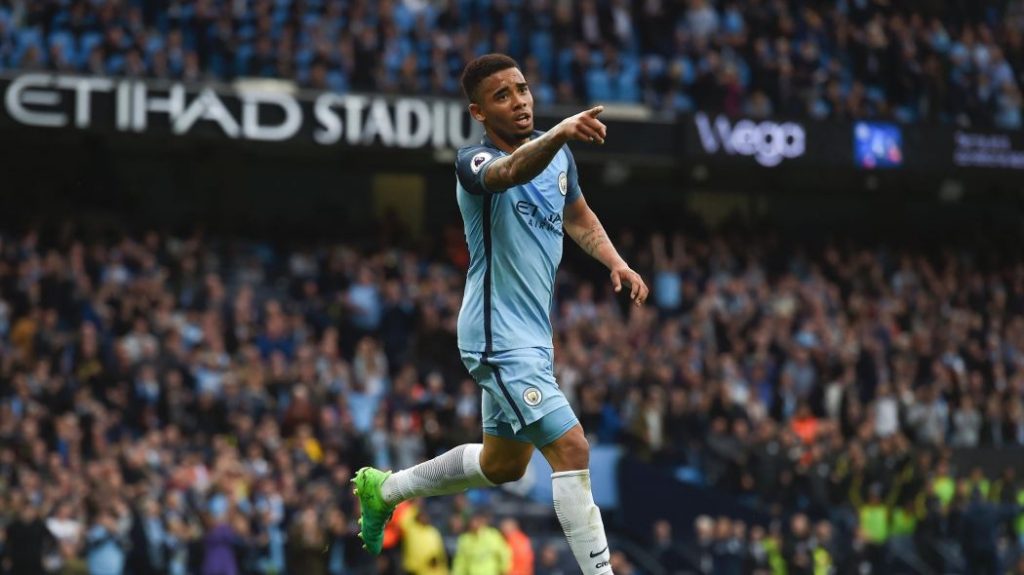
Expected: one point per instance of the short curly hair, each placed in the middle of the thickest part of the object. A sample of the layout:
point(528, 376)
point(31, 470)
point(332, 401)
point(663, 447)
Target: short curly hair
point(482, 67)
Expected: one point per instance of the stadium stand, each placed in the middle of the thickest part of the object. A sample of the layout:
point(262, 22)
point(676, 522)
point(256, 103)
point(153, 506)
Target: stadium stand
point(955, 61)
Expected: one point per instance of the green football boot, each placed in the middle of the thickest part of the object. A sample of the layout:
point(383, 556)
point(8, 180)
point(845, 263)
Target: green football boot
point(375, 512)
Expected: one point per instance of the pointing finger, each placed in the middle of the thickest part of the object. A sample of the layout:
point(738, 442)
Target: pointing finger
point(591, 121)
point(593, 112)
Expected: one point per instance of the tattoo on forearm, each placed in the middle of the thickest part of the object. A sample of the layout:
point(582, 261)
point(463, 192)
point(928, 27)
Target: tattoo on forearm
point(592, 239)
point(526, 162)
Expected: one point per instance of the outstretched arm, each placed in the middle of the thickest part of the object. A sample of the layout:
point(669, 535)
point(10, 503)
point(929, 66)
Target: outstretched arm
point(582, 225)
point(531, 158)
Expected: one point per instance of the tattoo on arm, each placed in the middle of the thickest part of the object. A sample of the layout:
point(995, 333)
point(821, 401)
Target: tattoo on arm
point(593, 239)
point(523, 164)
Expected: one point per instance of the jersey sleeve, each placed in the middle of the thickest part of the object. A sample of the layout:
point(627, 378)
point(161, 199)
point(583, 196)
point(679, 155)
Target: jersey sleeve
point(573, 191)
point(471, 163)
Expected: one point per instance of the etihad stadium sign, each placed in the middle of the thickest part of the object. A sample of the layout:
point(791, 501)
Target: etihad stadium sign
point(237, 112)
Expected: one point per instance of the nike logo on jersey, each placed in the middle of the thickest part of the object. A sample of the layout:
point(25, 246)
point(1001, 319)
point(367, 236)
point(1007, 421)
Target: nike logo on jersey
point(592, 555)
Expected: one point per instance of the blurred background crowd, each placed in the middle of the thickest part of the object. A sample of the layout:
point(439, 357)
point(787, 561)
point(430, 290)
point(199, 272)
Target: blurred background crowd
point(194, 405)
point(952, 61)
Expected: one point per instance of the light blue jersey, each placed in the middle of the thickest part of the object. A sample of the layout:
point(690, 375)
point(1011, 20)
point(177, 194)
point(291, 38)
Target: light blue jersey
point(515, 246)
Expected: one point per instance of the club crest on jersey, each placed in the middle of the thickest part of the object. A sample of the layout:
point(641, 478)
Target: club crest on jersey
point(479, 159)
point(532, 396)
point(563, 183)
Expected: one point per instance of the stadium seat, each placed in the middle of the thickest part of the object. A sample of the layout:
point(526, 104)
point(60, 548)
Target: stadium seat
point(599, 86)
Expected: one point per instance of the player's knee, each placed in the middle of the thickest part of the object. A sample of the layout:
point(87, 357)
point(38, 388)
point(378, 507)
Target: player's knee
point(578, 450)
point(570, 452)
point(503, 471)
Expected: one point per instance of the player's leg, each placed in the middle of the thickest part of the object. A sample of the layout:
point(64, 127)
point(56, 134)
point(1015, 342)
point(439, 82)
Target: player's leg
point(551, 425)
point(504, 460)
point(569, 456)
point(502, 457)
point(499, 459)
point(379, 491)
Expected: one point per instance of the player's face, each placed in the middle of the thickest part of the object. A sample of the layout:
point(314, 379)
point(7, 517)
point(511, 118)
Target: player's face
point(505, 105)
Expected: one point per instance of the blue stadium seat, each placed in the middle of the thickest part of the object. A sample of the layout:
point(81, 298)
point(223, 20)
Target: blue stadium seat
point(820, 109)
point(690, 475)
point(188, 38)
point(27, 37)
point(85, 46)
point(430, 14)
point(279, 17)
point(689, 70)
point(242, 56)
point(337, 81)
point(246, 31)
point(404, 18)
point(565, 60)
point(115, 65)
point(543, 93)
point(743, 70)
point(162, 22)
point(655, 65)
point(626, 85)
point(599, 87)
point(875, 93)
point(334, 27)
point(516, 42)
point(302, 74)
point(154, 44)
point(60, 21)
point(304, 57)
point(542, 48)
point(682, 103)
point(392, 60)
point(65, 42)
point(905, 114)
point(218, 65)
point(310, 19)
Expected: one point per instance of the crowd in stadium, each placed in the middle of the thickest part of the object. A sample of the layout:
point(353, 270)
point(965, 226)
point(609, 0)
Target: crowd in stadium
point(180, 404)
point(907, 60)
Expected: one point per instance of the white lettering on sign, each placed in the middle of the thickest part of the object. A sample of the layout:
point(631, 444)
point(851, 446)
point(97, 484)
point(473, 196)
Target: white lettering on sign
point(973, 150)
point(83, 88)
point(767, 142)
point(28, 93)
point(254, 129)
point(54, 101)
